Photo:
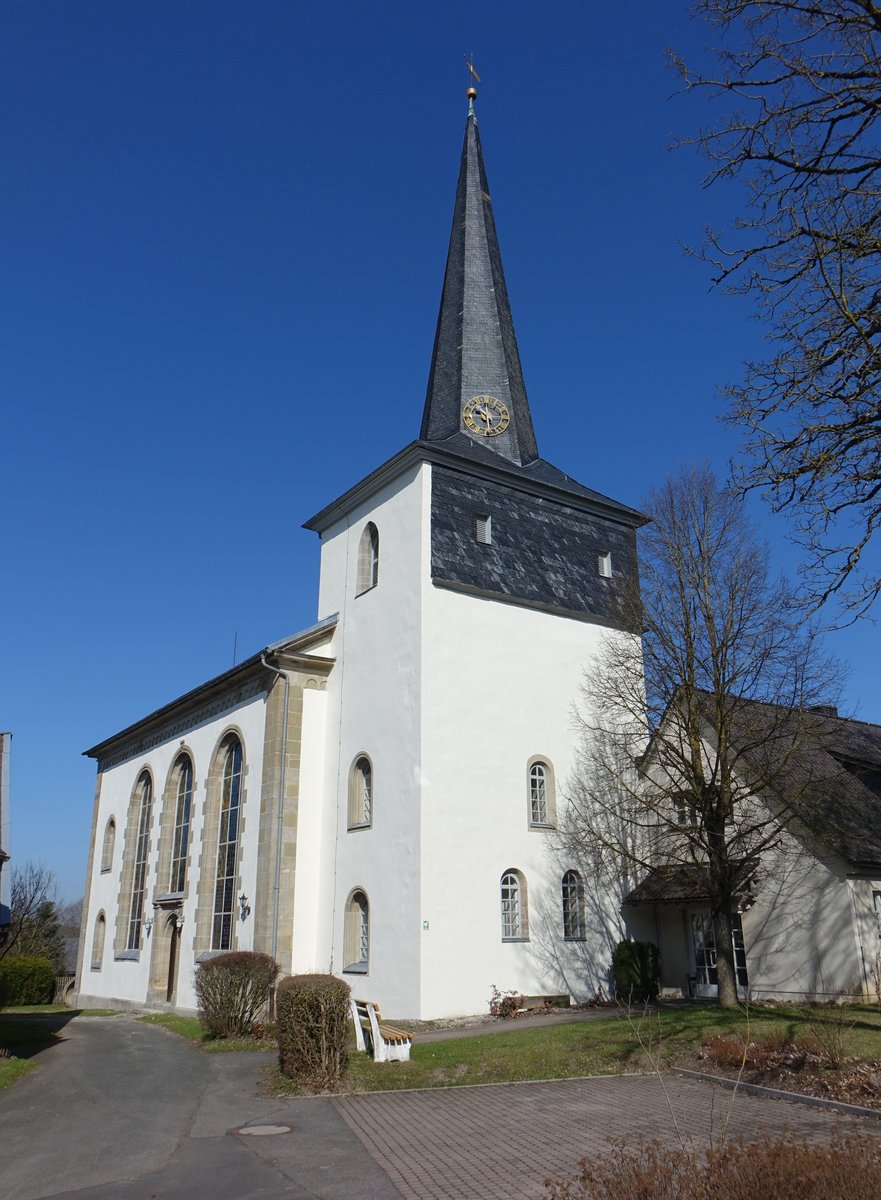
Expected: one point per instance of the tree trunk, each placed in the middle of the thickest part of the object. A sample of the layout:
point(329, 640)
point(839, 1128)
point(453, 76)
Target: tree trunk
point(726, 972)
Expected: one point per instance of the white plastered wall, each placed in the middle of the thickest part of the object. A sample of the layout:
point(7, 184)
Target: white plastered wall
point(126, 980)
point(374, 708)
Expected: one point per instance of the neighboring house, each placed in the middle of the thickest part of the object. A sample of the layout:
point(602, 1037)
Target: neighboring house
point(376, 795)
point(810, 904)
point(5, 877)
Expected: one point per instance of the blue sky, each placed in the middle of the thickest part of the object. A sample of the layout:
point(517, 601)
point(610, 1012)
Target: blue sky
point(222, 250)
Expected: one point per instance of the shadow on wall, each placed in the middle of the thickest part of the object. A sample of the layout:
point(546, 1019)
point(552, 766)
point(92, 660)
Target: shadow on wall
point(577, 924)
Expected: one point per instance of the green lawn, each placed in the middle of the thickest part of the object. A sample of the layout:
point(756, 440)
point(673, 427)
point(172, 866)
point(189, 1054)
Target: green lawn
point(611, 1045)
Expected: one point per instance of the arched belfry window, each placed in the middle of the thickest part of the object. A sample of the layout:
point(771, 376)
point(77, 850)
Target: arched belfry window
point(573, 907)
point(227, 846)
point(109, 844)
point(182, 821)
point(515, 914)
point(368, 559)
point(356, 934)
point(142, 848)
point(361, 793)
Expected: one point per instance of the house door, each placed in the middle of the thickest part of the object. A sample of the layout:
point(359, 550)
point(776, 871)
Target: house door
point(703, 940)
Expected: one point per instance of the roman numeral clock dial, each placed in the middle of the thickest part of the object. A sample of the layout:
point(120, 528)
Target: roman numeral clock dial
point(485, 415)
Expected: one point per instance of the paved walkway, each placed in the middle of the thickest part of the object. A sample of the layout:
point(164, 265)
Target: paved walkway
point(125, 1111)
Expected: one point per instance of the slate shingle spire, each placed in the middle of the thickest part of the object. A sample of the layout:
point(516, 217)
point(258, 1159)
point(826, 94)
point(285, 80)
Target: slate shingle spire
point(475, 354)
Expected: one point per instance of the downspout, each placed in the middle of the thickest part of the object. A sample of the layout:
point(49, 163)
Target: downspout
point(276, 891)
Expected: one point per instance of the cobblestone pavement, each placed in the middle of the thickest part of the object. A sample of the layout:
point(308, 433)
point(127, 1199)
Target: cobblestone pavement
point(501, 1142)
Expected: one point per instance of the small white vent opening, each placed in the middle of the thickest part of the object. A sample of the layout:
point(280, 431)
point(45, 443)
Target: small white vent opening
point(484, 529)
point(604, 565)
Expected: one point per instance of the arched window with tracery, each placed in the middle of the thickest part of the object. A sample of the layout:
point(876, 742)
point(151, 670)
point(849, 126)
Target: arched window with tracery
point(142, 849)
point(540, 789)
point(182, 822)
point(227, 847)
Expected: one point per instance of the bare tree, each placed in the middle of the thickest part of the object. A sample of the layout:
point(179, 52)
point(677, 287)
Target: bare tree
point(799, 100)
point(692, 735)
point(33, 888)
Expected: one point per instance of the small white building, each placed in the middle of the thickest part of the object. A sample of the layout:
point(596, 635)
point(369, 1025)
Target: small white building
point(376, 795)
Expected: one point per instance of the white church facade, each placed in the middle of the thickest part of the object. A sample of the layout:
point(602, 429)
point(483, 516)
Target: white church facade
point(376, 795)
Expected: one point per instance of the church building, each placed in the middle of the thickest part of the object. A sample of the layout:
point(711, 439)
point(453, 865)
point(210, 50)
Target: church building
point(376, 795)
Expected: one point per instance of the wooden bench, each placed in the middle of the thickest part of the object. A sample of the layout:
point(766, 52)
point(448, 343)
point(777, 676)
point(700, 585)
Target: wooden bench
point(373, 1035)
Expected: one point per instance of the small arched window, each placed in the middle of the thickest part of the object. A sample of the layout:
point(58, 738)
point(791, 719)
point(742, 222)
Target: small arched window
point(573, 907)
point(515, 916)
point(227, 847)
point(356, 934)
point(142, 848)
point(540, 786)
point(368, 559)
point(98, 942)
point(361, 793)
point(109, 844)
point(182, 818)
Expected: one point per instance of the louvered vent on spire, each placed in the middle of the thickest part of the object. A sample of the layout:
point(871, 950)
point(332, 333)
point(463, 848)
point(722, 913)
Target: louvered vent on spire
point(476, 382)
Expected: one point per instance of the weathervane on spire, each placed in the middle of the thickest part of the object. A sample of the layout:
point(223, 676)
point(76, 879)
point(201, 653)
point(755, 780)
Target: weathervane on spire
point(471, 93)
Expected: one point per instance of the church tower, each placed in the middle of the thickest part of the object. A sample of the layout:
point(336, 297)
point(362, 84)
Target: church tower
point(474, 582)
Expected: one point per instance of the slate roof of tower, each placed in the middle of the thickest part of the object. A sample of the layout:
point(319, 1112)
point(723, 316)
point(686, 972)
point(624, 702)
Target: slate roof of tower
point(475, 349)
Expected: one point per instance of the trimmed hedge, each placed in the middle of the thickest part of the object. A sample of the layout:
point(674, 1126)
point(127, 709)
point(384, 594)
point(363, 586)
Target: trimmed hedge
point(26, 979)
point(636, 970)
point(232, 991)
point(313, 1029)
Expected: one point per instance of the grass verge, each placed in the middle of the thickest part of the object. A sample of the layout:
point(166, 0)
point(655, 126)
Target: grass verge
point(191, 1029)
point(23, 1041)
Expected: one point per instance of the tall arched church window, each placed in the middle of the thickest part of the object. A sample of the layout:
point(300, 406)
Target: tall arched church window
point(227, 847)
point(109, 844)
point(182, 821)
point(142, 848)
point(573, 907)
point(356, 934)
point(540, 786)
point(368, 559)
point(98, 942)
point(361, 793)
point(515, 916)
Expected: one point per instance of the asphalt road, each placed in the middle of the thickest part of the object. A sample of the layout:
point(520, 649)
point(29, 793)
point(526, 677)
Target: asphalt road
point(124, 1110)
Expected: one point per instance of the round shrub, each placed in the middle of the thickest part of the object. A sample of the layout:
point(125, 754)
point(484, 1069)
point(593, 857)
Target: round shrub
point(313, 1029)
point(232, 991)
point(26, 979)
point(636, 970)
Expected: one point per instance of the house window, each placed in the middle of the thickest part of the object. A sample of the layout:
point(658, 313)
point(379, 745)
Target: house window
point(876, 900)
point(368, 559)
point(142, 848)
point(227, 847)
point(604, 564)
point(356, 934)
point(515, 923)
point(98, 942)
point(540, 787)
point(484, 529)
point(573, 907)
point(182, 819)
point(109, 843)
point(361, 793)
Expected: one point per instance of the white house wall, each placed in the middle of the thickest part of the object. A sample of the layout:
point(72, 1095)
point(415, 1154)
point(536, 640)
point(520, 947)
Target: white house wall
point(499, 685)
point(314, 834)
point(127, 980)
point(374, 701)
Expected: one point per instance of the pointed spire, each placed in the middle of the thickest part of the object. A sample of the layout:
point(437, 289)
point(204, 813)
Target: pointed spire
point(476, 384)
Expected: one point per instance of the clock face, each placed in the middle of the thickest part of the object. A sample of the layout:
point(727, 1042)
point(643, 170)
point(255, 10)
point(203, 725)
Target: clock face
point(486, 415)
